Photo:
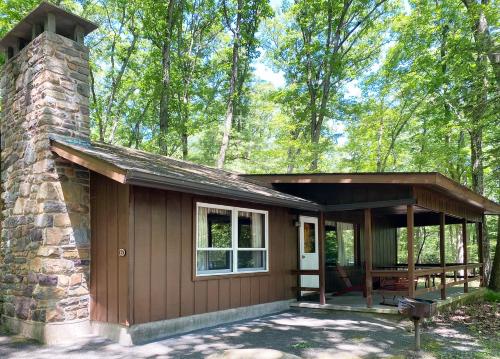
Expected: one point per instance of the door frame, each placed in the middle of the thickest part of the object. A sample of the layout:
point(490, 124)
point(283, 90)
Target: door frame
point(309, 277)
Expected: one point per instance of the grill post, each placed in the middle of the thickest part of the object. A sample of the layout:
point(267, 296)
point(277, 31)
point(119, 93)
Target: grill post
point(416, 323)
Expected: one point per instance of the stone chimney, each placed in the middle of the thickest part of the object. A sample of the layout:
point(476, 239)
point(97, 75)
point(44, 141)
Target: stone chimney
point(45, 226)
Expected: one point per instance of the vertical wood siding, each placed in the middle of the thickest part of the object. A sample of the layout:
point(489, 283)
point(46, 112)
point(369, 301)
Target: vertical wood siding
point(109, 203)
point(384, 243)
point(162, 260)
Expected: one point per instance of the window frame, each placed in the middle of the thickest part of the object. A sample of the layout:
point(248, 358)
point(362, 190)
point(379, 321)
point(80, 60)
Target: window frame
point(234, 241)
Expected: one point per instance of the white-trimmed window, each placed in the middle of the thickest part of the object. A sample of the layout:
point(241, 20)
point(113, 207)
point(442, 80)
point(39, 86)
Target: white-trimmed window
point(230, 240)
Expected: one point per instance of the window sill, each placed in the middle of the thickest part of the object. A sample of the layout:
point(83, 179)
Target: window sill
point(197, 278)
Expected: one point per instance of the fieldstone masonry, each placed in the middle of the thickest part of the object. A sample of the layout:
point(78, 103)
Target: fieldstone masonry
point(45, 231)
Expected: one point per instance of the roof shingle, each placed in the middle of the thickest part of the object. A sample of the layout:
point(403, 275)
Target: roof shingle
point(149, 169)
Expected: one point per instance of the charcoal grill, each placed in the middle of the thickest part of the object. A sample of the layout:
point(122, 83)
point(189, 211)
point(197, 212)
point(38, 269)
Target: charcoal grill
point(416, 309)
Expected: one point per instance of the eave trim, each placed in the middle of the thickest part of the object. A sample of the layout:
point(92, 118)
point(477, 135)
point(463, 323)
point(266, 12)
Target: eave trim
point(102, 167)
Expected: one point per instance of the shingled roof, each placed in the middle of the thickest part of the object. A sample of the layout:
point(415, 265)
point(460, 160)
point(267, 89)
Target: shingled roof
point(146, 169)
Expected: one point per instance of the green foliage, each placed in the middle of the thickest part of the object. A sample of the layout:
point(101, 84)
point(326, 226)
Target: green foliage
point(492, 296)
point(369, 86)
point(302, 345)
point(331, 247)
point(221, 235)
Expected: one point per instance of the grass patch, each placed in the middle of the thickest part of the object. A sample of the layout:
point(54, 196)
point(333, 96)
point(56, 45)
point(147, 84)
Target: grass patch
point(301, 345)
point(432, 345)
point(492, 296)
point(480, 316)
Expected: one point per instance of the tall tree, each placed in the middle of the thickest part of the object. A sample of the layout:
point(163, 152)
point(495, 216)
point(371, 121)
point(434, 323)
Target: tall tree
point(165, 89)
point(233, 77)
point(242, 20)
point(485, 57)
point(319, 49)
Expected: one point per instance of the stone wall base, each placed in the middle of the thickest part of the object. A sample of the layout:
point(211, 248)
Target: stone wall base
point(48, 333)
point(142, 333)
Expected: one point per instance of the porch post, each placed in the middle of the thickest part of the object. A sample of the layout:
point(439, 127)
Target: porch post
point(322, 299)
point(466, 261)
point(410, 222)
point(479, 227)
point(368, 256)
point(356, 244)
point(442, 259)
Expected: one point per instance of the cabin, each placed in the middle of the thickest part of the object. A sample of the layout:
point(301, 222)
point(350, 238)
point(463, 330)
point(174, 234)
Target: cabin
point(134, 246)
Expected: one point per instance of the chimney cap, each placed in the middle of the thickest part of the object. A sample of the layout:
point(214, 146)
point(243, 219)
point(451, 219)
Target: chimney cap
point(65, 24)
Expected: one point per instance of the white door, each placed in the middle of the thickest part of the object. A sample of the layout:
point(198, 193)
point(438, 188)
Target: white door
point(309, 258)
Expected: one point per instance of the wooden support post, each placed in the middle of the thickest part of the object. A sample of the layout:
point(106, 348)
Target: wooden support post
point(17, 47)
point(50, 23)
point(79, 34)
point(321, 253)
point(466, 260)
point(36, 30)
point(480, 241)
point(356, 244)
point(368, 256)
point(299, 267)
point(410, 224)
point(442, 258)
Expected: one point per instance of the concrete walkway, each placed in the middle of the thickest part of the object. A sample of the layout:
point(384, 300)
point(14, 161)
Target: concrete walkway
point(305, 333)
point(302, 332)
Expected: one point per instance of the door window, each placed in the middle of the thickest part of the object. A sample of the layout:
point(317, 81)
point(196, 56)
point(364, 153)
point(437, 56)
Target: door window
point(309, 238)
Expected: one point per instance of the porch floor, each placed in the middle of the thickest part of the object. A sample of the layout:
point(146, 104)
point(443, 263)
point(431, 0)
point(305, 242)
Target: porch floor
point(355, 302)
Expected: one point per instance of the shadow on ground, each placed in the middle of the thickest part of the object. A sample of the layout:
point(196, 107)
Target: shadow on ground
point(306, 333)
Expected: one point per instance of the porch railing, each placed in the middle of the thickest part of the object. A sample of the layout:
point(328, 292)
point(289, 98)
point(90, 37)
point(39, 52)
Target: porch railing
point(432, 272)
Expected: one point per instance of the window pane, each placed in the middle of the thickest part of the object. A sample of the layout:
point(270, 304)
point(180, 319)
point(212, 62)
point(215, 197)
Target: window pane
point(214, 228)
point(251, 229)
point(331, 245)
point(251, 260)
point(220, 261)
point(345, 239)
point(309, 240)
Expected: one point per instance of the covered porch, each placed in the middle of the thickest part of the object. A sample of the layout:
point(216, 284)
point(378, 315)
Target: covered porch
point(382, 212)
point(354, 302)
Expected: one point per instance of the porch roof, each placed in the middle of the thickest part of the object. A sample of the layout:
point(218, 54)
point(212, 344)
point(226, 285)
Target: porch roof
point(381, 182)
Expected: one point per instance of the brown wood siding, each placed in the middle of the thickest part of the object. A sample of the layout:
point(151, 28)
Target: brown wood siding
point(163, 283)
point(439, 202)
point(109, 201)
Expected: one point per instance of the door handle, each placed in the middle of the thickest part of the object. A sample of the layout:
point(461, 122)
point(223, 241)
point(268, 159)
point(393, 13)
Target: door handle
point(303, 257)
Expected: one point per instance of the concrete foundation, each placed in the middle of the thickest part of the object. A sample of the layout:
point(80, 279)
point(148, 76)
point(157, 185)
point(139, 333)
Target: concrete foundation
point(142, 333)
point(48, 333)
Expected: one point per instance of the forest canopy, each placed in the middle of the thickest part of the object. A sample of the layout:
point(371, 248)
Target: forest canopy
point(265, 86)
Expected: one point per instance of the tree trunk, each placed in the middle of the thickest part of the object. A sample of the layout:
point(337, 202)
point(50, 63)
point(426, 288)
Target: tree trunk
point(476, 144)
point(184, 145)
point(380, 135)
point(495, 268)
point(424, 233)
point(482, 34)
point(480, 100)
point(228, 122)
point(165, 89)
point(315, 136)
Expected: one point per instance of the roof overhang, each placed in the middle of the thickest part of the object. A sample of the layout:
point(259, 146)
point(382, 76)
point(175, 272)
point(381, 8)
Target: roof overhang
point(434, 180)
point(137, 178)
